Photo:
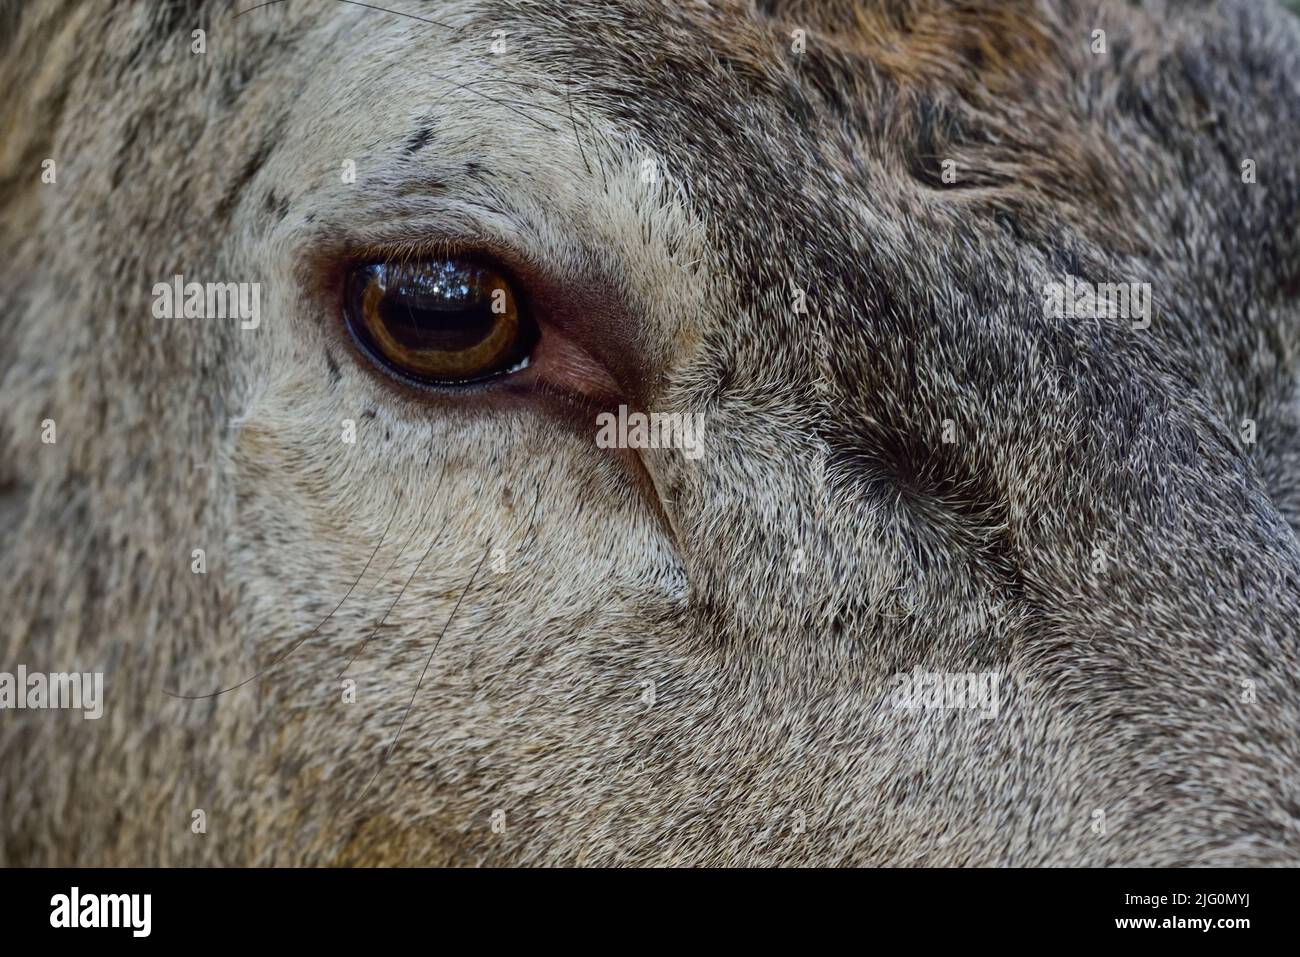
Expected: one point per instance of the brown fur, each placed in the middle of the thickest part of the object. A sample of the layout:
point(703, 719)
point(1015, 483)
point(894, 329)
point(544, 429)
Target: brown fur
point(828, 540)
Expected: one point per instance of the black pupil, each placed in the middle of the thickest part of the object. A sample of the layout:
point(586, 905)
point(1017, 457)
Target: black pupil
point(446, 307)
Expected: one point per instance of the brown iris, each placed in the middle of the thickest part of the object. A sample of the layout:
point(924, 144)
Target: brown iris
point(446, 321)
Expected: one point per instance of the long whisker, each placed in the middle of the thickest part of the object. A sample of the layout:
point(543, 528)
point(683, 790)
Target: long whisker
point(399, 13)
point(355, 3)
point(460, 86)
point(568, 95)
point(427, 661)
point(537, 497)
point(410, 538)
point(532, 513)
point(374, 631)
point(515, 104)
point(295, 645)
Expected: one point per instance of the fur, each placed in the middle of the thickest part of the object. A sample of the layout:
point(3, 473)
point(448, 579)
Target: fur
point(828, 539)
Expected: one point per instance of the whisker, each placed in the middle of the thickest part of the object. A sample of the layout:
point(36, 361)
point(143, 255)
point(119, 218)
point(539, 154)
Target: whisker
point(568, 95)
point(399, 13)
point(510, 103)
point(391, 564)
point(384, 574)
point(295, 645)
point(355, 3)
point(537, 497)
point(433, 651)
point(268, 3)
point(374, 631)
point(459, 86)
point(427, 661)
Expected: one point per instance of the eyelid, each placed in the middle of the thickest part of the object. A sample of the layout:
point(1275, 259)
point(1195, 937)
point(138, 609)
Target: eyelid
point(596, 352)
point(585, 348)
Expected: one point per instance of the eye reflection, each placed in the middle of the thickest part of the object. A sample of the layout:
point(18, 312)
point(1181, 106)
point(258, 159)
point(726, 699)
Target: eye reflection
point(445, 321)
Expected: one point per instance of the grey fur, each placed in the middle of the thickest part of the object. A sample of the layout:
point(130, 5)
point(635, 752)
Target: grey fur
point(828, 540)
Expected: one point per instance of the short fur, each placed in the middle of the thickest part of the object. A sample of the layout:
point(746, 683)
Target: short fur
point(683, 662)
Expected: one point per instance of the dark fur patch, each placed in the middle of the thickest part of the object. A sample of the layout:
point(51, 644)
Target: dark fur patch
point(174, 16)
point(230, 198)
point(419, 139)
point(277, 206)
point(941, 136)
point(11, 12)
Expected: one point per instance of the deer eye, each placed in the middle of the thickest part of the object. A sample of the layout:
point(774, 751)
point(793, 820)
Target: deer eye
point(442, 321)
